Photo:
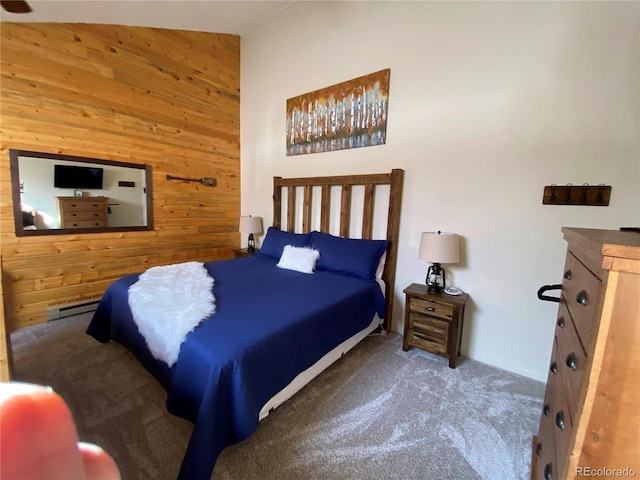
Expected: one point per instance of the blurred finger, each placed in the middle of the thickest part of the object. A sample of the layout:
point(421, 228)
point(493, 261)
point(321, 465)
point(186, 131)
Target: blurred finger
point(98, 465)
point(38, 438)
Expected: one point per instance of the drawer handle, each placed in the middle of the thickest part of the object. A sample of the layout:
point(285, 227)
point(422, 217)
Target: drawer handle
point(539, 449)
point(74, 205)
point(571, 361)
point(560, 322)
point(546, 409)
point(567, 275)
point(74, 214)
point(560, 420)
point(548, 469)
point(431, 309)
point(581, 298)
point(554, 368)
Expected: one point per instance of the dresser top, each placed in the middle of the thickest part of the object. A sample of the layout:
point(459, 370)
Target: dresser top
point(83, 198)
point(611, 249)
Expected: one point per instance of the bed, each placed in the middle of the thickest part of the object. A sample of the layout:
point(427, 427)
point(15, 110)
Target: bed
point(274, 329)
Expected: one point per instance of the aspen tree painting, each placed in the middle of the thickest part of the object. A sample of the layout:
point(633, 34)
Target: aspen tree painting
point(351, 114)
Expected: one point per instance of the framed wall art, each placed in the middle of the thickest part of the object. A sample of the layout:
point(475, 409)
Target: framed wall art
point(351, 114)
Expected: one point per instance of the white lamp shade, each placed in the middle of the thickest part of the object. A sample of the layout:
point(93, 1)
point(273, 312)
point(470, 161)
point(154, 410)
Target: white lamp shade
point(250, 225)
point(439, 247)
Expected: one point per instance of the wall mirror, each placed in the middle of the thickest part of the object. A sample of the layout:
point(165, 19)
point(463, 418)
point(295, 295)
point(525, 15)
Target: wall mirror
point(61, 194)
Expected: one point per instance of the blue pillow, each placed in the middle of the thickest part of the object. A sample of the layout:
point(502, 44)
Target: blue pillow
point(276, 240)
point(348, 256)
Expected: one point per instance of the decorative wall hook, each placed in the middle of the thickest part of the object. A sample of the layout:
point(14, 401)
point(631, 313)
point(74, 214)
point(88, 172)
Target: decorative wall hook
point(208, 181)
point(593, 195)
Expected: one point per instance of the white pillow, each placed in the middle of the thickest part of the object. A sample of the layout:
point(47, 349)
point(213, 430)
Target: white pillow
point(300, 259)
point(380, 269)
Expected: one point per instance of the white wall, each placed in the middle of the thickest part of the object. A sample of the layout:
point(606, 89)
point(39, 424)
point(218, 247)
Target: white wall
point(489, 102)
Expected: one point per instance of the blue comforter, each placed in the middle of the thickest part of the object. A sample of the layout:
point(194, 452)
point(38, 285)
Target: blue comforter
point(270, 325)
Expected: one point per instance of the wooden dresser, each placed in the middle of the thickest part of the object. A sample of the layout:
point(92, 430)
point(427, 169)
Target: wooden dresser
point(590, 421)
point(82, 212)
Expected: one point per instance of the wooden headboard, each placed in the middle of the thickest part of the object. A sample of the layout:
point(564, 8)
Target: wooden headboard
point(346, 184)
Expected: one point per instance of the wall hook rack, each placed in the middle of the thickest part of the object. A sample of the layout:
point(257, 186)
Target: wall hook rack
point(208, 181)
point(593, 195)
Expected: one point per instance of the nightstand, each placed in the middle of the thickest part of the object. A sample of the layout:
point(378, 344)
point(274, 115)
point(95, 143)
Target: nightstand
point(242, 252)
point(433, 321)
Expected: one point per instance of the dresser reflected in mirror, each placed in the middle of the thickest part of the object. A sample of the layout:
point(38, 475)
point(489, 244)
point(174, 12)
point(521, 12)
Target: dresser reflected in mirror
point(60, 194)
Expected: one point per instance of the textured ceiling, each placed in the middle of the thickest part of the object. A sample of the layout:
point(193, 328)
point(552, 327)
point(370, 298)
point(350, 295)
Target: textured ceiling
point(234, 16)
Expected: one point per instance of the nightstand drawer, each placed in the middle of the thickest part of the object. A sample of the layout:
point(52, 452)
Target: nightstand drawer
point(430, 307)
point(429, 333)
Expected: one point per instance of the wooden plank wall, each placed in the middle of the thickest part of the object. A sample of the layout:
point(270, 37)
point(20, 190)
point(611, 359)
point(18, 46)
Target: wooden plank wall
point(5, 346)
point(166, 98)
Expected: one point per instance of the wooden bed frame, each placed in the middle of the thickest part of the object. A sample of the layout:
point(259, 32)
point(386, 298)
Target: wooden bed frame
point(346, 183)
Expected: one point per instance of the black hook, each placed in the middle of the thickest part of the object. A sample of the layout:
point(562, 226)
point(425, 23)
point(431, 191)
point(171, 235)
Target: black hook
point(583, 196)
point(545, 288)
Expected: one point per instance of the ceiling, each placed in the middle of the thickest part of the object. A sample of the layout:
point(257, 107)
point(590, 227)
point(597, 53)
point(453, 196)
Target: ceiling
point(233, 16)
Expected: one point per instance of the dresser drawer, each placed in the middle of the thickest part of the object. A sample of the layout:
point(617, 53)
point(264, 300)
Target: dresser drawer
point(85, 215)
point(580, 290)
point(429, 333)
point(562, 426)
point(571, 357)
point(83, 223)
point(433, 308)
point(556, 412)
point(545, 449)
point(82, 205)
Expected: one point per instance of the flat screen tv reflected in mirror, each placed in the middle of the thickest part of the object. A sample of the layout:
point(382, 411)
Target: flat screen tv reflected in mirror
point(69, 176)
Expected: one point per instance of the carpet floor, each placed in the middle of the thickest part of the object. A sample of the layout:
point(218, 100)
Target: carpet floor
point(378, 413)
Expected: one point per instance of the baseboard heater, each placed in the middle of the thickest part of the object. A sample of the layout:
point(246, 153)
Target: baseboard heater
point(62, 311)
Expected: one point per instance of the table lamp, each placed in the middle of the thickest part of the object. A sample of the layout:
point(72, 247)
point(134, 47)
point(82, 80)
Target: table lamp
point(437, 248)
point(250, 225)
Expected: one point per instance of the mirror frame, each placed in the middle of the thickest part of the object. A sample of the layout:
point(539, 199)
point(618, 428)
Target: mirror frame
point(15, 192)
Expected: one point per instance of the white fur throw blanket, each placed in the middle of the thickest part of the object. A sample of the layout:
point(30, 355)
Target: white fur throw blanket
point(169, 302)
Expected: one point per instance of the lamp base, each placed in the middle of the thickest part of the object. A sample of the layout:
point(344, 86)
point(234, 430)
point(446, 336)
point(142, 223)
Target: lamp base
point(251, 244)
point(435, 279)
